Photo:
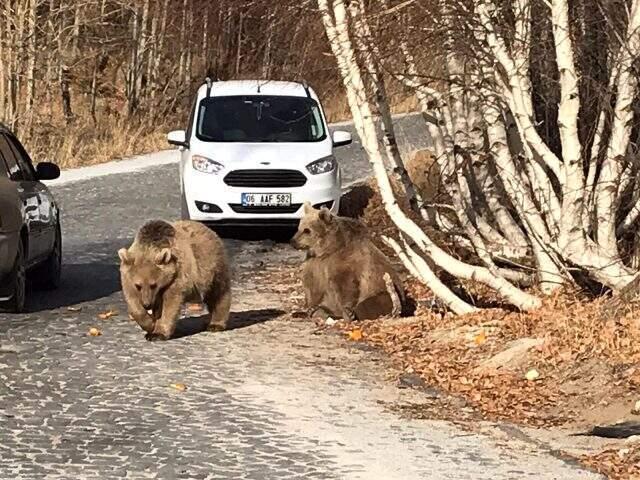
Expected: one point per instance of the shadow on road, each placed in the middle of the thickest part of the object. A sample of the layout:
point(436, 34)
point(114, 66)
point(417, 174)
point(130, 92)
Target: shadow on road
point(80, 283)
point(89, 272)
point(253, 317)
point(275, 233)
point(189, 326)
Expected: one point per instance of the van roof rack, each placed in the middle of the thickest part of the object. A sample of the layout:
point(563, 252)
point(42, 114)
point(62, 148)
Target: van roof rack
point(209, 85)
point(260, 85)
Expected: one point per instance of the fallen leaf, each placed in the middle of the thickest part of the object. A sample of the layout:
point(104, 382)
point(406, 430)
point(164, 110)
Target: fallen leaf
point(94, 332)
point(480, 338)
point(565, 356)
point(330, 321)
point(623, 452)
point(179, 386)
point(355, 334)
point(74, 309)
point(108, 314)
point(532, 375)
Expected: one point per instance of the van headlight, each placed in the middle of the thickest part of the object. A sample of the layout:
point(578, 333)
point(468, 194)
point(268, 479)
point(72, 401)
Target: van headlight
point(205, 165)
point(324, 165)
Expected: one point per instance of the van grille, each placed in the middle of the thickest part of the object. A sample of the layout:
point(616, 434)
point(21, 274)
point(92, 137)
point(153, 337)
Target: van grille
point(238, 208)
point(265, 178)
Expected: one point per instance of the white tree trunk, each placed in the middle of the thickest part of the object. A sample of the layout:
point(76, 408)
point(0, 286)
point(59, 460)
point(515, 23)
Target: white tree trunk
point(31, 60)
point(571, 228)
point(627, 89)
point(341, 45)
point(418, 268)
point(369, 52)
point(519, 89)
point(549, 273)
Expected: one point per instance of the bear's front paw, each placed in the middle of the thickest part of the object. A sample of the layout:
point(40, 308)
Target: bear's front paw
point(349, 315)
point(155, 337)
point(217, 327)
point(318, 312)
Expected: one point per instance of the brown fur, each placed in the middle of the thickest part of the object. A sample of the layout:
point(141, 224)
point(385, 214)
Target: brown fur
point(425, 175)
point(169, 264)
point(345, 274)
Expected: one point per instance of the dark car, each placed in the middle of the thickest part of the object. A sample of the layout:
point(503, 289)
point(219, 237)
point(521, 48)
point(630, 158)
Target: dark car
point(30, 235)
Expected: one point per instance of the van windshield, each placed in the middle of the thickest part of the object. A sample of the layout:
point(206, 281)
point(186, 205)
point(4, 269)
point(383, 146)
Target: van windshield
point(259, 118)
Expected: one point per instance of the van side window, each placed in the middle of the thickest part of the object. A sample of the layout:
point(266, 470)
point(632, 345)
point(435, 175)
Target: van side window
point(15, 173)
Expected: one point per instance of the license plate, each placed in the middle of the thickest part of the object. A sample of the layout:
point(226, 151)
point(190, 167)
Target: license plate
point(266, 199)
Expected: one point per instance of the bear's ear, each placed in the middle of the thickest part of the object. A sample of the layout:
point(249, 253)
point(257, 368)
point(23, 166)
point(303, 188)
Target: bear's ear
point(164, 256)
point(308, 208)
point(125, 257)
point(325, 215)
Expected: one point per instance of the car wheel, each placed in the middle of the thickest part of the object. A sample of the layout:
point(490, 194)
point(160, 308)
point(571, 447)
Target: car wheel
point(47, 276)
point(18, 281)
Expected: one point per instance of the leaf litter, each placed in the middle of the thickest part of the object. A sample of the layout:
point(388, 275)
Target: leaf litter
point(587, 362)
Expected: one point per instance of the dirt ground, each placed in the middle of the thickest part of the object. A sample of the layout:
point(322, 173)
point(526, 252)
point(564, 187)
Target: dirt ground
point(563, 374)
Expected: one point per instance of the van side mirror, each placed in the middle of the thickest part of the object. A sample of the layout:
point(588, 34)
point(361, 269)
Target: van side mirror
point(178, 138)
point(341, 138)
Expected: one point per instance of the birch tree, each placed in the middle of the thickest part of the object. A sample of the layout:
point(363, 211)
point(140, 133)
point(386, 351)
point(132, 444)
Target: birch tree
point(70, 63)
point(565, 191)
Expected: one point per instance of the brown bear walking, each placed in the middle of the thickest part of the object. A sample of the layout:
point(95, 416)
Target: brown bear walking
point(169, 264)
point(345, 275)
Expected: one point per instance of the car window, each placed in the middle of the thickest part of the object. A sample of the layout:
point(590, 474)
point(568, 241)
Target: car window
point(15, 173)
point(260, 118)
point(23, 159)
point(4, 171)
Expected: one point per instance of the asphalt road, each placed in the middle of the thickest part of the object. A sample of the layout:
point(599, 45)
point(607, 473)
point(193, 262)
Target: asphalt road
point(266, 400)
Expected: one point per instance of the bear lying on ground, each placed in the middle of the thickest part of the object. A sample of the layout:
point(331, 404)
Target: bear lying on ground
point(345, 275)
point(169, 264)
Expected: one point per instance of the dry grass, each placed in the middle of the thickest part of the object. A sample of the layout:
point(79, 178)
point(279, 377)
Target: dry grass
point(337, 109)
point(112, 136)
point(588, 363)
point(81, 145)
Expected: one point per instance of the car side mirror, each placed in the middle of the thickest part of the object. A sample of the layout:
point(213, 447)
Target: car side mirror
point(341, 138)
point(47, 171)
point(178, 138)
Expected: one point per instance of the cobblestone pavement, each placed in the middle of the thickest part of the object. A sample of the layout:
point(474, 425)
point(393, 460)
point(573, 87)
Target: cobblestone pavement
point(266, 400)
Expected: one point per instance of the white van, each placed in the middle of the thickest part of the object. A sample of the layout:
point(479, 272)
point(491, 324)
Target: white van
point(254, 152)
